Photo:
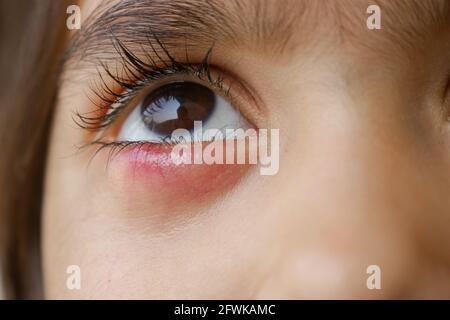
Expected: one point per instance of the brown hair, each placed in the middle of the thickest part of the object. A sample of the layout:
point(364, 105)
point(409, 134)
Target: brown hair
point(32, 35)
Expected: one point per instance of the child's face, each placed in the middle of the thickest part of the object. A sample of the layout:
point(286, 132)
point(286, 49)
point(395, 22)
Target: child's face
point(364, 155)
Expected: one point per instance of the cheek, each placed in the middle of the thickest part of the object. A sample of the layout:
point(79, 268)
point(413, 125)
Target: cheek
point(144, 181)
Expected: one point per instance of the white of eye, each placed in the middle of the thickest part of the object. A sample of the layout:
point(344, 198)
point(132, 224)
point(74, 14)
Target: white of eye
point(224, 116)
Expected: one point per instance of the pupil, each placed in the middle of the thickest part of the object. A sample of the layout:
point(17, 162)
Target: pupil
point(177, 106)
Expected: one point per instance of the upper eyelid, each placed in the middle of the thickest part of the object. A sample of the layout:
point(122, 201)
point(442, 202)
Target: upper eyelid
point(136, 74)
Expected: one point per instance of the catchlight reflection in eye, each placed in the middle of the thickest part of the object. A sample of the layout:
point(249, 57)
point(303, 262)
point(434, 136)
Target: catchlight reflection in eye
point(178, 105)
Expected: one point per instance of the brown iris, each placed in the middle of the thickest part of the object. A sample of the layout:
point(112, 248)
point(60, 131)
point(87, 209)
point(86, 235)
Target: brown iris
point(176, 106)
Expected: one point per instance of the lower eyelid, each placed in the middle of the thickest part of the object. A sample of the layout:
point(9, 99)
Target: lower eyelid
point(148, 169)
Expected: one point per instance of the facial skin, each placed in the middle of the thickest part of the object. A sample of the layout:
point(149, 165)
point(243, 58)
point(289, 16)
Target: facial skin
point(364, 173)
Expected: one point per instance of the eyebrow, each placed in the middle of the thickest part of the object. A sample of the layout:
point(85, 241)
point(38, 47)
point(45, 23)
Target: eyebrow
point(176, 23)
point(260, 23)
point(419, 20)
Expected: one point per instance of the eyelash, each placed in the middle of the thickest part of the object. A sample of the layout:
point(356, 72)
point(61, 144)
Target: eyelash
point(136, 76)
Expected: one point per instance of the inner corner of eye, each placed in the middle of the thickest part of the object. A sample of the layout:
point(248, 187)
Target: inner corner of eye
point(180, 106)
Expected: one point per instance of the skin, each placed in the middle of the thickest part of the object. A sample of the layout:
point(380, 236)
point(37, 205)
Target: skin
point(364, 180)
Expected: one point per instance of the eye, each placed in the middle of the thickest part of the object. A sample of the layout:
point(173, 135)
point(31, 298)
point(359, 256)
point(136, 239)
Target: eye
point(178, 105)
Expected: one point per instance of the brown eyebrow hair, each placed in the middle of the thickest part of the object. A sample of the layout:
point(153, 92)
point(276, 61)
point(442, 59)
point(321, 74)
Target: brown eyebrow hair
point(185, 22)
point(421, 20)
point(267, 24)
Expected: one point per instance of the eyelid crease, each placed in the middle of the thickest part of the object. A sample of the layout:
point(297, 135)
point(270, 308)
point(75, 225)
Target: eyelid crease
point(134, 75)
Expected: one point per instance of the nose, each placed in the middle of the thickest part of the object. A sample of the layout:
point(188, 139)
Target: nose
point(346, 200)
